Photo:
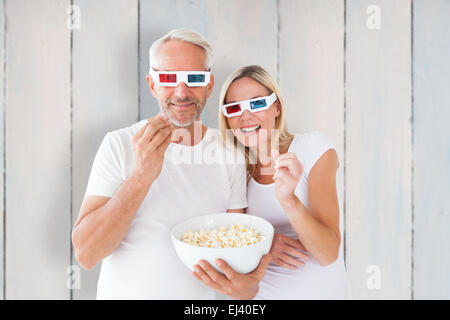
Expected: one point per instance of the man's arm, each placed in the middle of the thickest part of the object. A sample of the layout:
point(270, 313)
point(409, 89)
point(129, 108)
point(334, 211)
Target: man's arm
point(103, 222)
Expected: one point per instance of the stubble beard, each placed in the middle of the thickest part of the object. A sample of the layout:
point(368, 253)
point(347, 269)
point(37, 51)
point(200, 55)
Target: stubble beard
point(199, 105)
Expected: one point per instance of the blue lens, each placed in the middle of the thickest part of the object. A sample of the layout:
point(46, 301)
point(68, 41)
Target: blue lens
point(258, 104)
point(196, 78)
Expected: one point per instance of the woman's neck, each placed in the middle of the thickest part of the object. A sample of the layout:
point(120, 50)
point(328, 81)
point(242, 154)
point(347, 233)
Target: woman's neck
point(265, 170)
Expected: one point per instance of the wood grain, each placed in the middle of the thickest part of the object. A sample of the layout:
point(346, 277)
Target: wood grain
point(2, 145)
point(37, 150)
point(105, 93)
point(378, 188)
point(431, 149)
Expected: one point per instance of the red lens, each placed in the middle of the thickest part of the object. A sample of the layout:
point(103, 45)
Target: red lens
point(233, 109)
point(165, 78)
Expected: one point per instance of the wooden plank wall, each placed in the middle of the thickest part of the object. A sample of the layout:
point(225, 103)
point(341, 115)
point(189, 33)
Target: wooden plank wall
point(2, 147)
point(105, 93)
point(37, 150)
point(431, 149)
point(378, 108)
point(373, 75)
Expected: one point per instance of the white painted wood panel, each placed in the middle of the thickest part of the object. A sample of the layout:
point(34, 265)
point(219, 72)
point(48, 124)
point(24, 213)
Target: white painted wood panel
point(311, 64)
point(105, 93)
point(431, 149)
point(37, 150)
point(2, 136)
point(241, 33)
point(157, 18)
point(378, 144)
point(50, 144)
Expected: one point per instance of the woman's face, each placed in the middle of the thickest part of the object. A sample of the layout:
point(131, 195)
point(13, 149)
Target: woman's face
point(251, 129)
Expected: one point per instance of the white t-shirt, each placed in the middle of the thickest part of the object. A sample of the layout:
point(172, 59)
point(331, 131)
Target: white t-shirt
point(311, 281)
point(145, 265)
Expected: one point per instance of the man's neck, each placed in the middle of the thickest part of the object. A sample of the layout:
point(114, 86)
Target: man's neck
point(189, 136)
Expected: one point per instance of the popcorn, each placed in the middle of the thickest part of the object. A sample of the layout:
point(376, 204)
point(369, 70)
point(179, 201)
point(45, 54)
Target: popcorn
point(235, 236)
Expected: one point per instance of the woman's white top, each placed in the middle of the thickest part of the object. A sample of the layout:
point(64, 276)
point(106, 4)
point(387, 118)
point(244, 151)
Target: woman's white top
point(311, 281)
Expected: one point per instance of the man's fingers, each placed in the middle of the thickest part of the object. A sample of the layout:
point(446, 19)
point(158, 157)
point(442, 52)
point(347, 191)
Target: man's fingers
point(153, 128)
point(201, 275)
point(226, 269)
point(139, 134)
point(160, 137)
point(213, 273)
point(148, 122)
point(163, 146)
point(263, 264)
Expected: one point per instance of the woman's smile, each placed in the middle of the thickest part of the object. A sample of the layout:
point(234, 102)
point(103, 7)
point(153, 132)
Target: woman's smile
point(249, 130)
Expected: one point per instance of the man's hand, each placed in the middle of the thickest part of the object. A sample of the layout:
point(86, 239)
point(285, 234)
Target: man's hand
point(231, 283)
point(149, 146)
point(286, 252)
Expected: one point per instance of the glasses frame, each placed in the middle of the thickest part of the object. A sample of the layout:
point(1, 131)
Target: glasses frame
point(247, 105)
point(182, 76)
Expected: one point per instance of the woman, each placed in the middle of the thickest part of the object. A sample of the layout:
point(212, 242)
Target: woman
point(293, 187)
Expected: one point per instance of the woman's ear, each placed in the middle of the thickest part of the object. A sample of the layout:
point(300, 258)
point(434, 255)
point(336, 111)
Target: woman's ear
point(278, 109)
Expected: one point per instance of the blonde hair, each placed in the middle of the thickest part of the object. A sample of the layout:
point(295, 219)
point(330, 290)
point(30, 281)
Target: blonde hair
point(283, 135)
point(183, 35)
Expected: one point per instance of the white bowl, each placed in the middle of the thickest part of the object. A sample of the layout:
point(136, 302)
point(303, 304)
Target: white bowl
point(241, 259)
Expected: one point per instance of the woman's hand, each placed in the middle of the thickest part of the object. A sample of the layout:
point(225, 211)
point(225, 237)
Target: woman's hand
point(286, 252)
point(288, 171)
point(233, 284)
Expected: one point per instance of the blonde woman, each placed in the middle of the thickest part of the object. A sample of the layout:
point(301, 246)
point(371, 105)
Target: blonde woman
point(292, 184)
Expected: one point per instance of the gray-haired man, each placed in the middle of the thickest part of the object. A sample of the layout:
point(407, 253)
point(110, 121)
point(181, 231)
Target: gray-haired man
point(138, 189)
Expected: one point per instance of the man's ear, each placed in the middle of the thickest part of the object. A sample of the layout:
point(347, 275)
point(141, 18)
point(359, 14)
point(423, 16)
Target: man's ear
point(210, 84)
point(151, 85)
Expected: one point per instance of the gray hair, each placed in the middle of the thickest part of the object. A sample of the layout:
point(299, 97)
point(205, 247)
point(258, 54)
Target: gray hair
point(183, 35)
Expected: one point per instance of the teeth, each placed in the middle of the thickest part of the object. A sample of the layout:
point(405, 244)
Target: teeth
point(250, 129)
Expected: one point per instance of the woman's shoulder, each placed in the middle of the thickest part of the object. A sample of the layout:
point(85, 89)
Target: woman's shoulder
point(310, 139)
point(309, 147)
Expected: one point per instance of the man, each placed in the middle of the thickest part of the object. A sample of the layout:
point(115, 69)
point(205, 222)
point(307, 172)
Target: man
point(141, 184)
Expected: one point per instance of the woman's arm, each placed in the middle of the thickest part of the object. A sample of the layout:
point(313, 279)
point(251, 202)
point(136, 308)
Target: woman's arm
point(318, 227)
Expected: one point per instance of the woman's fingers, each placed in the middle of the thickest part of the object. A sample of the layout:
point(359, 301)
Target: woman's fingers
point(294, 243)
point(291, 260)
point(291, 164)
point(280, 173)
point(295, 253)
point(283, 264)
point(275, 154)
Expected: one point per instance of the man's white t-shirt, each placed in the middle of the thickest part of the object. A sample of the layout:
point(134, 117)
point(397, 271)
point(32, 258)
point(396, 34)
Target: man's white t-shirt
point(311, 281)
point(194, 181)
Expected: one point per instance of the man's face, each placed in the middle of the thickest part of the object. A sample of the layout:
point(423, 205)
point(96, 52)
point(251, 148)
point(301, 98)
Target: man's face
point(182, 104)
